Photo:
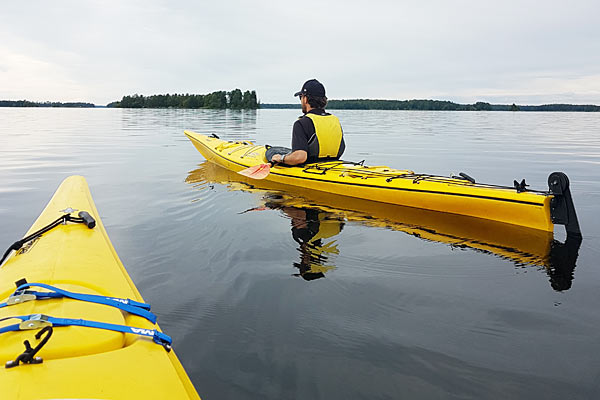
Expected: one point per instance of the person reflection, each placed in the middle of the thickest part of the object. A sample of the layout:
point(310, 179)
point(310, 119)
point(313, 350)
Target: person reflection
point(312, 229)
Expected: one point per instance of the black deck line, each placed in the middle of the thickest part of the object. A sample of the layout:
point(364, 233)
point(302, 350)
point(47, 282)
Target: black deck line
point(379, 187)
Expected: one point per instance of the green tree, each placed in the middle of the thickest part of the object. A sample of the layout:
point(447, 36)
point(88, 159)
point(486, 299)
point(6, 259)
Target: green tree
point(216, 100)
point(481, 106)
point(249, 100)
point(235, 99)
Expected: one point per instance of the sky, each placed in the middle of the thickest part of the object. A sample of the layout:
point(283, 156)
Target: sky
point(524, 52)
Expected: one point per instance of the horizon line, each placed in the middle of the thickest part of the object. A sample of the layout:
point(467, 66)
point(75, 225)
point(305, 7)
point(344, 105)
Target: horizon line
point(291, 104)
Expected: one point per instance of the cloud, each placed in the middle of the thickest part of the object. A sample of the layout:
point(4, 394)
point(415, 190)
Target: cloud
point(26, 77)
point(381, 49)
point(533, 89)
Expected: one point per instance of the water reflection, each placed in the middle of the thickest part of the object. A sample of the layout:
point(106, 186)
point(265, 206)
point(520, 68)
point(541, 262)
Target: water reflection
point(562, 261)
point(313, 230)
point(316, 219)
point(233, 124)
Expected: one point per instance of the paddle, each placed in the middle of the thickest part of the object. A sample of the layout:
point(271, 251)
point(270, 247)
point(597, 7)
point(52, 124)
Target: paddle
point(260, 171)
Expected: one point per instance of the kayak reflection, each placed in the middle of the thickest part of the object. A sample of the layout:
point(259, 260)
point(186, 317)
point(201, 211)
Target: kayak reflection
point(318, 217)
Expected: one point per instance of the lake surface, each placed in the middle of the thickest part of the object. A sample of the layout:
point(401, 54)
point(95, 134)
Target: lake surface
point(272, 296)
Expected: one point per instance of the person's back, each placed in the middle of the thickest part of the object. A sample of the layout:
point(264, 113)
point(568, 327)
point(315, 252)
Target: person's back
point(317, 135)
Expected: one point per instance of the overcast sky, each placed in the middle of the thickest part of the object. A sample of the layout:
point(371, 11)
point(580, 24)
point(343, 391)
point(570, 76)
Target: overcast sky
point(528, 52)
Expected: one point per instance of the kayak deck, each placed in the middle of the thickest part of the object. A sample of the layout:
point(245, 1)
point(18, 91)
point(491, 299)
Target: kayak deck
point(455, 195)
point(82, 362)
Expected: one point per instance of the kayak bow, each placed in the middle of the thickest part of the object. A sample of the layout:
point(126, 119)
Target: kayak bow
point(99, 339)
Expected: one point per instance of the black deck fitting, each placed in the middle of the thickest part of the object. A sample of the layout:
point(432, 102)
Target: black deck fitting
point(562, 209)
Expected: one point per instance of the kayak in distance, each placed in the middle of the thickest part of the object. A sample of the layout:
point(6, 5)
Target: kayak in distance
point(326, 213)
point(461, 195)
point(72, 322)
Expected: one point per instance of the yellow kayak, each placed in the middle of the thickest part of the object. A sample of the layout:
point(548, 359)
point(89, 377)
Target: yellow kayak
point(457, 195)
point(89, 333)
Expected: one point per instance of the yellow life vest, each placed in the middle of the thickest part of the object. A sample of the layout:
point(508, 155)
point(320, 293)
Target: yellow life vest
point(328, 140)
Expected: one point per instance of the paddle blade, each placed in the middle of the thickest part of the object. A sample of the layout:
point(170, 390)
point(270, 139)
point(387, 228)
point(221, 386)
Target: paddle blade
point(259, 171)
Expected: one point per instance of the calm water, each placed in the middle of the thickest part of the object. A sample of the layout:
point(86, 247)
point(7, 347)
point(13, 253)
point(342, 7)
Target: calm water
point(300, 298)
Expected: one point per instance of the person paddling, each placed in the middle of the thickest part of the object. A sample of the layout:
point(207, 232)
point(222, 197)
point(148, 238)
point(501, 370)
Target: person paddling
point(317, 135)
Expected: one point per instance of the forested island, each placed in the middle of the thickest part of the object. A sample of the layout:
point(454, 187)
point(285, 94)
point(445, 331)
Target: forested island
point(437, 105)
point(26, 103)
point(234, 99)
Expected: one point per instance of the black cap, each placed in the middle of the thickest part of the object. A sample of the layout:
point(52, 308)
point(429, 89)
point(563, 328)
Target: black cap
point(312, 87)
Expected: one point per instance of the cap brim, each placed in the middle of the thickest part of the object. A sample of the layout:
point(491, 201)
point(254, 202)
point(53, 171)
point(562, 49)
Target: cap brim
point(298, 93)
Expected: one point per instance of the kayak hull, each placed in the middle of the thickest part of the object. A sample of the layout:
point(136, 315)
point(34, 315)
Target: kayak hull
point(81, 362)
point(388, 185)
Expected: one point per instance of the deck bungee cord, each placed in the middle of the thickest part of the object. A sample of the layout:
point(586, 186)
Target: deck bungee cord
point(389, 175)
point(83, 218)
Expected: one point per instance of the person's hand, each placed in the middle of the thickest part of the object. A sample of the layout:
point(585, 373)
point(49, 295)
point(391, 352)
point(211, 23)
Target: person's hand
point(276, 158)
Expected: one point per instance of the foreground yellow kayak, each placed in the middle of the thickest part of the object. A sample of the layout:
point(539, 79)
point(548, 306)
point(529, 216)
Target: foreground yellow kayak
point(88, 332)
point(458, 195)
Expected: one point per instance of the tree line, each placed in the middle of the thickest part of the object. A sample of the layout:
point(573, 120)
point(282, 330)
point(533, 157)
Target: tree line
point(440, 105)
point(234, 99)
point(26, 103)
point(367, 104)
point(436, 105)
point(559, 107)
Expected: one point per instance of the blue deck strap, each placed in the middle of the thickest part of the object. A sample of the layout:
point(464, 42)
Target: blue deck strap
point(158, 337)
point(9, 328)
point(131, 306)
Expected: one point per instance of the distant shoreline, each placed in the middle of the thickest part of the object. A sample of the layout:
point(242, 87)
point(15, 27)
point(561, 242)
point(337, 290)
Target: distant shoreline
point(437, 105)
point(354, 104)
point(46, 104)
